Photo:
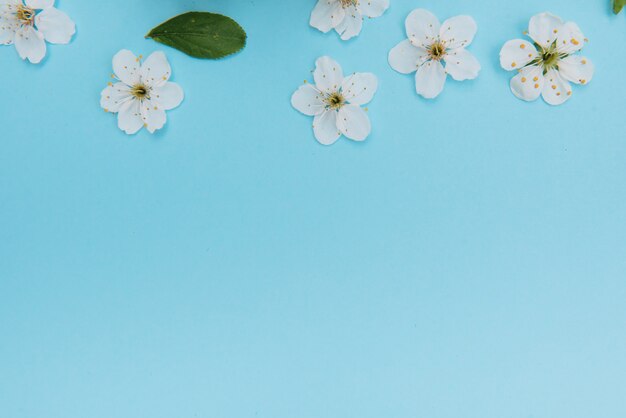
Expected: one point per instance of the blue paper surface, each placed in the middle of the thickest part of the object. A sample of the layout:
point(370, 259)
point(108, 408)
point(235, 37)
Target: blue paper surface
point(467, 261)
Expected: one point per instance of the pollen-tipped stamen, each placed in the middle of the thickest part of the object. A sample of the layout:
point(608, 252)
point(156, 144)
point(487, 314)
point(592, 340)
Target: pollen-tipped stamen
point(437, 50)
point(140, 91)
point(25, 15)
point(335, 101)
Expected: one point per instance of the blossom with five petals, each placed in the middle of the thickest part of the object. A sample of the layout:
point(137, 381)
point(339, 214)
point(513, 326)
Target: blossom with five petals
point(345, 16)
point(430, 45)
point(335, 102)
point(30, 23)
point(547, 66)
point(143, 92)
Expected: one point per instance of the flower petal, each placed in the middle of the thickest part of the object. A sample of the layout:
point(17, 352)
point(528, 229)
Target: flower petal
point(39, 4)
point(544, 27)
point(155, 70)
point(528, 84)
point(8, 27)
point(430, 79)
point(308, 100)
point(326, 15)
point(422, 27)
point(168, 96)
point(516, 54)
point(126, 67)
point(556, 90)
point(325, 127)
point(353, 122)
point(129, 117)
point(405, 57)
point(462, 65)
point(373, 8)
point(8, 5)
point(114, 96)
point(458, 31)
point(576, 69)
point(153, 116)
point(328, 74)
point(570, 38)
point(30, 44)
point(56, 26)
point(359, 88)
point(351, 25)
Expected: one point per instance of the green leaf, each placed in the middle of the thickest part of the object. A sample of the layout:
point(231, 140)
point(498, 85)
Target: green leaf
point(618, 5)
point(201, 35)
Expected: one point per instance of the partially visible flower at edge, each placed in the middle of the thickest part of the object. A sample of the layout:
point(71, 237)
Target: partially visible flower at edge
point(30, 23)
point(335, 102)
point(143, 92)
point(345, 16)
point(547, 66)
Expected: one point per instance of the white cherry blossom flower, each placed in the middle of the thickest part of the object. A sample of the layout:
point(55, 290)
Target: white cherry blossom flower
point(30, 23)
point(335, 102)
point(430, 45)
point(345, 16)
point(547, 66)
point(143, 92)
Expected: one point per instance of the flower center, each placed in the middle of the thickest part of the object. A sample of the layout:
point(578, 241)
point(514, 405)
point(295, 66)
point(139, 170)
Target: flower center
point(335, 101)
point(437, 50)
point(348, 3)
point(140, 91)
point(550, 57)
point(25, 15)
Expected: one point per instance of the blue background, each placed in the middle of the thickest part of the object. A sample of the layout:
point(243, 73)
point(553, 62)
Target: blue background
point(467, 261)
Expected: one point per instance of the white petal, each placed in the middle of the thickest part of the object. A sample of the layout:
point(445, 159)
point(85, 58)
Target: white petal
point(155, 70)
point(405, 57)
point(326, 15)
point(458, 32)
point(528, 84)
point(351, 25)
point(6, 5)
point(576, 69)
point(129, 117)
point(30, 44)
point(39, 4)
point(56, 26)
point(308, 100)
point(556, 90)
point(462, 65)
point(422, 27)
point(544, 27)
point(168, 96)
point(570, 38)
point(373, 8)
point(325, 127)
point(353, 122)
point(126, 67)
point(430, 79)
point(359, 88)
point(153, 115)
point(114, 96)
point(328, 74)
point(516, 54)
point(8, 27)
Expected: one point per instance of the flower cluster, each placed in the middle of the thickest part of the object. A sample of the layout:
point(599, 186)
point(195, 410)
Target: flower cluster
point(432, 51)
point(142, 92)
